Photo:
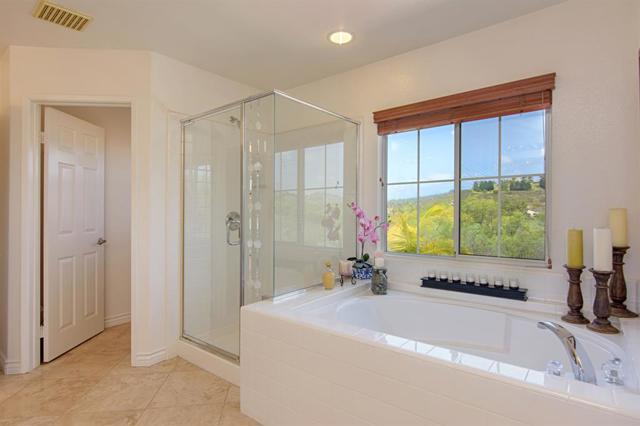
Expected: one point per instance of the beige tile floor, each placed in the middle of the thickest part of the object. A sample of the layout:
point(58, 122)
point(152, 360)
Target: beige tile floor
point(94, 384)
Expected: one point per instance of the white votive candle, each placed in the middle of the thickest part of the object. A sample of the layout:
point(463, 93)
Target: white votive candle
point(618, 225)
point(378, 262)
point(602, 253)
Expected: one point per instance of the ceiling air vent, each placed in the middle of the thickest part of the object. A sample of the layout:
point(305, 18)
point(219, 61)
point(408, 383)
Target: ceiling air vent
point(59, 15)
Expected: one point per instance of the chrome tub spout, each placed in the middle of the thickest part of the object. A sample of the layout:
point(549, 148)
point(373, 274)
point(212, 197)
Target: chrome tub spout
point(580, 362)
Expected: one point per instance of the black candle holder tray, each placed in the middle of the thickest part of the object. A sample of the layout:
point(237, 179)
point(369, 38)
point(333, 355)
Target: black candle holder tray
point(476, 288)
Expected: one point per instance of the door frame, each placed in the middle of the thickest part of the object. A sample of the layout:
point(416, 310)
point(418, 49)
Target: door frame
point(29, 255)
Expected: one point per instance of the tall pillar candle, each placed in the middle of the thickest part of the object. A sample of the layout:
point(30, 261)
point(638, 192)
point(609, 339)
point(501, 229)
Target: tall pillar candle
point(575, 248)
point(618, 225)
point(602, 253)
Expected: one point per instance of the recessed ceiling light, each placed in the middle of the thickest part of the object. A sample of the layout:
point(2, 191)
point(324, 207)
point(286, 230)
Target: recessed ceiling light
point(340, 37)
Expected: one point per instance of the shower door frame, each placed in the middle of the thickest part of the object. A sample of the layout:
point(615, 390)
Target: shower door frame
point(184, 123)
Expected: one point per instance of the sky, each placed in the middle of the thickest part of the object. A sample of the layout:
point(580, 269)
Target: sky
point(522, 153)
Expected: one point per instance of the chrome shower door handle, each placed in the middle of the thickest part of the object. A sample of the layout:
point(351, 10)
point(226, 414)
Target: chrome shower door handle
point(232, 222)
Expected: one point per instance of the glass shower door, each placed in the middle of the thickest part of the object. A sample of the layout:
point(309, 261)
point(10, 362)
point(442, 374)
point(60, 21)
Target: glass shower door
point(212, 224)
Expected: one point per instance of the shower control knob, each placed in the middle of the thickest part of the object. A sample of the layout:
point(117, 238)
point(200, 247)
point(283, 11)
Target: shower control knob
point(612, 371)
point(555, 368)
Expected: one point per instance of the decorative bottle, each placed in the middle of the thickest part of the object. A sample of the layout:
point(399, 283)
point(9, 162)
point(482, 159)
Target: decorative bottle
point(328, 278)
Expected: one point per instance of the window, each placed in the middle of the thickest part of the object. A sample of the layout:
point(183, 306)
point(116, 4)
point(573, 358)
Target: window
point(323, 204)
point(286, 195)
point(420, 191)
point(475, 187)
point(311, 216)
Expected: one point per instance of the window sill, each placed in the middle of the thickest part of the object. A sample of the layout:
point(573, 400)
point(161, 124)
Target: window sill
point(469, 261)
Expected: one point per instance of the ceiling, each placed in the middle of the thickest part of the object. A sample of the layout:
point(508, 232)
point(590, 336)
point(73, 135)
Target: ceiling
point(262, 43)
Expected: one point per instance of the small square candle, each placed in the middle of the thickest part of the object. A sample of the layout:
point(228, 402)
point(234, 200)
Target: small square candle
point(345, 268)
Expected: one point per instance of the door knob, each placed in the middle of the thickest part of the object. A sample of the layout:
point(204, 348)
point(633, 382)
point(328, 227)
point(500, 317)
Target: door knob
point(101, 241)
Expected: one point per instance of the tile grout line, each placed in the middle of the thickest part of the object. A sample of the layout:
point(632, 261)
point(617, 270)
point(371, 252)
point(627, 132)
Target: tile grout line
point(146, 407)
point(112, 348)
point(224, 404)
point(44, 378)
point(92, 387)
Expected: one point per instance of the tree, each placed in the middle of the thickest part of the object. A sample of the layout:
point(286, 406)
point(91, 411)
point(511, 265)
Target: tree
point(522, 184)
point(484, 185)
point(522, 232)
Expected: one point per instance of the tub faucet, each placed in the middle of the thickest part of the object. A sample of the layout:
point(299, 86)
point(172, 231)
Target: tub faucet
point(580, 362)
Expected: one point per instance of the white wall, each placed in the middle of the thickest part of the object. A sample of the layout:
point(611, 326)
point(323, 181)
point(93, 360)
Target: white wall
point(593, 47)
point(591, 44)
point(160, 90)
point(49, 74)
point(638, 19)
point(117, 272)
point(4, 204)
point(178, 90)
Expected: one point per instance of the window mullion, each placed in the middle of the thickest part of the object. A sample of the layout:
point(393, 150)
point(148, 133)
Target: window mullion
point(456, 187)
point(324, 194)
point(418, 199)
point(499, 248)
point(302, 192)
point(547, 194)
point(383, 190)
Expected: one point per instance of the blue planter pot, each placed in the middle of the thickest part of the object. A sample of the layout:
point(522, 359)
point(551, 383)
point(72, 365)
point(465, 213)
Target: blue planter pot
point(363, 273)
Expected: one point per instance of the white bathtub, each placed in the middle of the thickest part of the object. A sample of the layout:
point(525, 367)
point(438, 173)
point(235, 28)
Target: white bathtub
point(473, 336)
point(350, 358)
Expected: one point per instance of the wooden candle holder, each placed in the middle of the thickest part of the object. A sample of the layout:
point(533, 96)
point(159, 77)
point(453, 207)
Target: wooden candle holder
point(574, 297)
point(601, 308)
point(618, 286)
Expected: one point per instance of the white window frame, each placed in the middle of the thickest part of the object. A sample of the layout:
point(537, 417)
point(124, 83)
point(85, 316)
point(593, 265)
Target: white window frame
point(457, 256)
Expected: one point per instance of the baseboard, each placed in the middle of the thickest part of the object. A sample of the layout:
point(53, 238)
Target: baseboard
point(208, 361)
point(150, 358)
point(9, 367)
point(118, 319)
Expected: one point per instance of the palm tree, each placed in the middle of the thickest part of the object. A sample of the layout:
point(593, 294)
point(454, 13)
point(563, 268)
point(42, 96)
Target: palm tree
point(402, 236)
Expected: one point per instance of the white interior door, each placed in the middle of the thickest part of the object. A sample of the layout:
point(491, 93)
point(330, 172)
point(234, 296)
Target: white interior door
point(73, 233)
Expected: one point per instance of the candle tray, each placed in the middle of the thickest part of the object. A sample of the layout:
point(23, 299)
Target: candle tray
point(488, 290)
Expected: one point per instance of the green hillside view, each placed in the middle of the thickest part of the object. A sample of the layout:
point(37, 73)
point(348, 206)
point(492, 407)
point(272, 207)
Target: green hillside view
point(522, 220)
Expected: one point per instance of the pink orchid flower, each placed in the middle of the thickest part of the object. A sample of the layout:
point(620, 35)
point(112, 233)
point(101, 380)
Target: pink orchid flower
point(368, 231)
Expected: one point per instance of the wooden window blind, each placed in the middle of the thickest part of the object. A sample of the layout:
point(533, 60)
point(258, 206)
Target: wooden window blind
point(529, 94)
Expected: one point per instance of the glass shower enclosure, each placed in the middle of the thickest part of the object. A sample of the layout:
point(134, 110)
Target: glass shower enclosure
point(266, 186)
